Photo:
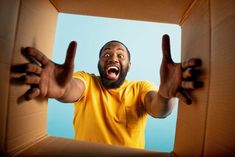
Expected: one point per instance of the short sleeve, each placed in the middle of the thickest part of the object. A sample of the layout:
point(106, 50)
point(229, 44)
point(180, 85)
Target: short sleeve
point(146, 87)
point(80, 75)
point(84, 77)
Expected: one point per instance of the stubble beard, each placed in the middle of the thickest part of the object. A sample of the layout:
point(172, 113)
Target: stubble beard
point(109, 84)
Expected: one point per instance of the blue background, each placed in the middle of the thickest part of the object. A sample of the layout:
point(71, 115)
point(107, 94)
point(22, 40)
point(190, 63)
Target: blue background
point(143, 39)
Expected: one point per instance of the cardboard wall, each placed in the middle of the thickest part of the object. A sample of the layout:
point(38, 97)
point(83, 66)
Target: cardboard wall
point(191, 121)
point(54, 146)
point(220, 131)
point(167, 11)
point(206, 128)
point(34, 26)
point(7, 36)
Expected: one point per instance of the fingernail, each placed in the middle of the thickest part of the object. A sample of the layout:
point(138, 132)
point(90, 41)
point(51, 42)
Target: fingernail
point(198, 62)
point(27, 98)
point(22, 50)
point(189, 101)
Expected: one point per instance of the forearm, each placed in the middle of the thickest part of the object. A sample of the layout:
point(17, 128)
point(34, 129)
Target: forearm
point(73, 91)
point(158, 106)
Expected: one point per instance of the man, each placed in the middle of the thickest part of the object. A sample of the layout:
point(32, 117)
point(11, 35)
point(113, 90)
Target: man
point(108, 108)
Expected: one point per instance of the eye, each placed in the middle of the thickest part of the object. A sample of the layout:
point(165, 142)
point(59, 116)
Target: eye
point(120, 56)
point(106, 55)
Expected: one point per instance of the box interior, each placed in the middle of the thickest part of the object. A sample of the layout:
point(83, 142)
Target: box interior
point(204, 128)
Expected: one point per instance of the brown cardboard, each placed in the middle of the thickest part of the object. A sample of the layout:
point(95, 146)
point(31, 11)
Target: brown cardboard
point(191, 122)
point(148, 10)
point(206, 128)
point(26, 120)
point(4, 68)
point(54, 146)
point(220, 136)
point(8, 16)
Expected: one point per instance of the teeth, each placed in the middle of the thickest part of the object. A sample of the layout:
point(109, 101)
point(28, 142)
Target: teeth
point(113, 67)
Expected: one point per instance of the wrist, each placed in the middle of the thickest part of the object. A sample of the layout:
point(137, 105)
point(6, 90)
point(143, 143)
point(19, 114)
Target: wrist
point(162, 93)
point(64, 93)
point(162, 98)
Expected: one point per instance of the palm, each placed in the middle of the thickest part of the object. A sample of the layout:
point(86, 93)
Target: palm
point(177, 78)
point(49, 79)
point(54, 85)
point(169, 79)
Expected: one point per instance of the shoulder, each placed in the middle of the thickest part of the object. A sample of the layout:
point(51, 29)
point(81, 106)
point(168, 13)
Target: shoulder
point(83, 74)
point(140, 83)
point(144, 85)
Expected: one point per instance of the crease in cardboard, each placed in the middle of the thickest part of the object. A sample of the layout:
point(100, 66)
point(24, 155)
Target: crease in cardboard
point(24, 147)
point(54, 6)
point(187, 13)
point(209, 79)
point(9, 87)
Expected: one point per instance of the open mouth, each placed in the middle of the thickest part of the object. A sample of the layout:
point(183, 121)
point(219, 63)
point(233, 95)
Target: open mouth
point(112, 72)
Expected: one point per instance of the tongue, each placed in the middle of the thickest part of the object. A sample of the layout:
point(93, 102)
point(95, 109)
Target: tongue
point(112, 75)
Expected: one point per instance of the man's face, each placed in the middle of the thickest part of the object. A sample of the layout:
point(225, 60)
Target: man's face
point(113, 64)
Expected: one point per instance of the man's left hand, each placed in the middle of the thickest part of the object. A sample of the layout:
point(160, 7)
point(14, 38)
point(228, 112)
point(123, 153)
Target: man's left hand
point(177, 79)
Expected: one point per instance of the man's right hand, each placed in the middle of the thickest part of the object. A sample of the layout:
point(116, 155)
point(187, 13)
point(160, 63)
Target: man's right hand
point(47, 79)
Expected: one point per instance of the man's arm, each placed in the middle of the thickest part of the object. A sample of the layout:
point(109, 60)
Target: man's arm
point(73, 92)
point(177, 79)
point(158, 106)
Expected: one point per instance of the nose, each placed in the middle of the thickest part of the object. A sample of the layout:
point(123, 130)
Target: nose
point(113, 58)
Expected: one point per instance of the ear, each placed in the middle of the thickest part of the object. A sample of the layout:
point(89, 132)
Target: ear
point(129, 66)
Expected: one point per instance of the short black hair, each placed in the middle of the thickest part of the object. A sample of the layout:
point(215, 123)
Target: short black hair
point(129, 55)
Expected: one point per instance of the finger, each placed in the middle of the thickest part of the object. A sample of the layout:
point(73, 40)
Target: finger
point(32, 93)
point(184, 98)
point(166, 48)
point(35, 54)
point(191, 73)
point(18, 68)
point(193, 62)
point(188, 73)
point(69, 61)
point(30, 79)
point(26, 68)
point(191, 84)
point(33, 68)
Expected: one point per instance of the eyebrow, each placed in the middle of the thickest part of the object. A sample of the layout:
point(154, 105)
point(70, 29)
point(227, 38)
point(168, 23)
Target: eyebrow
point(108, 48)
point(121, 49)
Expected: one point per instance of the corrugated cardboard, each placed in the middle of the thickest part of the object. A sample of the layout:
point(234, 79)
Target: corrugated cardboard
point(206, 128)
point(148, 10)
point(53, 146)
point(191, 122)
point(220, 136)
point(26, 120)
point(8, 17)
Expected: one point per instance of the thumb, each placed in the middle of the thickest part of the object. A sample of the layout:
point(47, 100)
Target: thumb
point(166, 51)
point(71, 51)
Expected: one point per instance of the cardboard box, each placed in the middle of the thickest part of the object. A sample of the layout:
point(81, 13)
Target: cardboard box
point(206, 128)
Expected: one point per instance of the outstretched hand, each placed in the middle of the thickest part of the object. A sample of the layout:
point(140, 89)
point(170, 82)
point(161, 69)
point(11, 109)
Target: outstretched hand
point(177, 79)
point(47, 79)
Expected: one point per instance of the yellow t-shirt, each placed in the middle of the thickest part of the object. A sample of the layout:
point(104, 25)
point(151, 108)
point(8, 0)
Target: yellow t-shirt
point(111, 116)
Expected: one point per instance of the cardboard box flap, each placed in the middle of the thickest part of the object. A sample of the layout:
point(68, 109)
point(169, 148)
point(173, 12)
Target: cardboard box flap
point(26, 120)
point(166, 11)
point(53, 146)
